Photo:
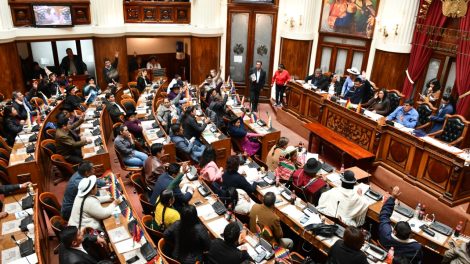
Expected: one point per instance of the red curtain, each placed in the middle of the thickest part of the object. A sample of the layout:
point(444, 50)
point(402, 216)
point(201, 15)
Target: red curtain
point(463, 69)
point(420, 54)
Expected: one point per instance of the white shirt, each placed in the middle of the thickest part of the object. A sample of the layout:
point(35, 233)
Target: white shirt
point(258, 73)
point(120, 108)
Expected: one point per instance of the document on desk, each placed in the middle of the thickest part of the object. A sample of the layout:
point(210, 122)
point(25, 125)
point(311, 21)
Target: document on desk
point(252, 175)
point(397, 217)
point(118, 234)
point(273, 189)
point(217, 226)
point(292, 212)
point(11, 226)
point(129, 245)
point(135, 253)
point(209, 137)
point(334, 178)
point(30, 259)
point(23, 214)
point(10, 254)
point(206, 211)
point(12, 207)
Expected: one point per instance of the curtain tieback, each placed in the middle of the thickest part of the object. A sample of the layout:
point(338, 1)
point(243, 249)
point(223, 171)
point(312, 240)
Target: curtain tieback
point(409, 78)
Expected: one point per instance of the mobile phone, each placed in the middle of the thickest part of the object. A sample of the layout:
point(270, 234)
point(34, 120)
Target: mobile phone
point(132, 260)
point(197, 203)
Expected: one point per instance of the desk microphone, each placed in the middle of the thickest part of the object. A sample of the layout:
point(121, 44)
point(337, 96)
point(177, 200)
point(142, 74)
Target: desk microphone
point(337, 206)
point(26, 248)
point(28, 146)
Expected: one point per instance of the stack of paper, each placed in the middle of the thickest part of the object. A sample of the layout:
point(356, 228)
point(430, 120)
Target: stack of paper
point(118, 234)
point(217, 226)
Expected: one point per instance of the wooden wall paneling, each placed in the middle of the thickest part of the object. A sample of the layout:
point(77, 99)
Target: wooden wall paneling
point(295, 55)
point(105, 48)
point(388, 70)
point(21, 15)
point(205, 55)
point(11, 74)
point(167, 61)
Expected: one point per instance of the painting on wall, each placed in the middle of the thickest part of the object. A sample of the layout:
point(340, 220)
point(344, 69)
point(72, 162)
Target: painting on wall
point(349, 17)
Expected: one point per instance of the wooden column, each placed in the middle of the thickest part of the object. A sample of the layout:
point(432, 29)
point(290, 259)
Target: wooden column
point(389, 68)
point(295, 55)
point(205, 55)
point(105, 48)
point(11, 74)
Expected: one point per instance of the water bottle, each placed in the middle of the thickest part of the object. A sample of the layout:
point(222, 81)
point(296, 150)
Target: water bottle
point(417, 210)
point(458, 228)
point(342, 168)
point(389, 259)
point(117, 219)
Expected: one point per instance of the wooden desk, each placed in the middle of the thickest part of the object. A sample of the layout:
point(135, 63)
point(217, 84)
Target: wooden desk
point(110, 223)
point(320, 134)
point(40, 235)
point(305, 104)
point(220, 142)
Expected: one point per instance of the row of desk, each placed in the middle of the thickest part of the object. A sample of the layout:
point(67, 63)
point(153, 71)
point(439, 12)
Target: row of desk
point(439, 169)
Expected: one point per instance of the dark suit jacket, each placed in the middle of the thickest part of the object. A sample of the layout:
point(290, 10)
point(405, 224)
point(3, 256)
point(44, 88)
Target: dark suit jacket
point(6, 189)
point(320, 82)
point(438, 119)
point(141, 83)
point(262, 79)
point(79, 65)
point(192, 128)
point(113, 111)
point(66, 145)
point(221, 252)
point(162, 183)
point(21, 109)
point(112, 73)
point(11, 128)
point(74, 256)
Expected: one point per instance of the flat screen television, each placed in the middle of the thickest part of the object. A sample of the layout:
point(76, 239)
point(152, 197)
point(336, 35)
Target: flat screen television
point(48, 15)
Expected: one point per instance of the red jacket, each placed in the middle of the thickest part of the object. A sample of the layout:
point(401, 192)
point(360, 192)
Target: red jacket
point(300, 179)
point(281, 78)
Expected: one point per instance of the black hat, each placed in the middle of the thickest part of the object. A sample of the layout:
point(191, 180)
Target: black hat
point(348, 177)
point(312, 166)
point(130, 113)
point(69, 88)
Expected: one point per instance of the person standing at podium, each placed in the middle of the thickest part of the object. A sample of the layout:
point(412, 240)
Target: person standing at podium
point(72, 64)
point(257, 78)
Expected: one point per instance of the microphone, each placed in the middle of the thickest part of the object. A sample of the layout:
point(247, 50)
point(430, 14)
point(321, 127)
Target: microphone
point(337, 206)
point(14, 240)
point(31, 157)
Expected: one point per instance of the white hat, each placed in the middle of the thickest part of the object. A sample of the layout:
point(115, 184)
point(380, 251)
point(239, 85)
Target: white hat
point(354, 71)
point(289, 150)
point(86, 185)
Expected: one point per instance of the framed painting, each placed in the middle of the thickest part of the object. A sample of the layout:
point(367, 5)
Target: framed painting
point(349, 17)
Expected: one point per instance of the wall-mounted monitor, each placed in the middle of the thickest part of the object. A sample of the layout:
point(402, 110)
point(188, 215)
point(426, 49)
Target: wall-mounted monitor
point(49, 15)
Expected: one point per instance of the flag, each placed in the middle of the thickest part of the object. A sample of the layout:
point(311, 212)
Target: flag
point(270, 121)
point(243, 101)
point(358, 109)
point(348, 104)
point(138, 233)
point(253, 118)
point(176, 182)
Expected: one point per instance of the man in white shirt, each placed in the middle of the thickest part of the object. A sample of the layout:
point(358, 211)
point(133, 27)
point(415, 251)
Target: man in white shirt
point(176, 80)
point(344, 202)
point(258, 79)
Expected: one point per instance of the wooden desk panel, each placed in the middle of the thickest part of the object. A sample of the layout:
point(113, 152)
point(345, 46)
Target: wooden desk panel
point(305, 104)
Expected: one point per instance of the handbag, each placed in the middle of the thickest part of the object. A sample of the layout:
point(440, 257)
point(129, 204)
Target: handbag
point(321, 229)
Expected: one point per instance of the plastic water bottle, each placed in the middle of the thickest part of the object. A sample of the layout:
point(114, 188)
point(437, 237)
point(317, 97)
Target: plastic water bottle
point(342, 168)
point(389, 259)
point(458, 228)
point(417, 210)
point(117, 219)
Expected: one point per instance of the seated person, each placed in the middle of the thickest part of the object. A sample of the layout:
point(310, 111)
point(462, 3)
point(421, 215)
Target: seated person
point(164, 181)
point(209, 169)
point(75, 246)
point(142, 80)
point(68, 144)
point(348, 250)
point(344, 202)
point(134, 125)
point(191, 147)
point(72, 100)
point(226, 250)
point(188, 236)
point(74, 121)
point(6, 189)
point(433, 91)
point(124, 144)
point(405, 115)
point(22, 107)
point(438, 119)
point(334, 84)
point(153, 63)
point(114, 110)
point(379, 103)
point(398, 237)
point(231, 177)
point(191, 128)
point(287, 164)
point(272, 159)
point(237, 200)
point(12, 125)
point(90, 90)
point(51, 87)
point(87, 210)
point(236, 129)
point(218, 108)
point(457, 254)
point(318, 80)
point(153, 166)
point(166, 113)
point(177, 96)
point(85, 169)
point(307, 178)
point(263, 216)
point(175, 80)
point(165, 215)
point(356, 93)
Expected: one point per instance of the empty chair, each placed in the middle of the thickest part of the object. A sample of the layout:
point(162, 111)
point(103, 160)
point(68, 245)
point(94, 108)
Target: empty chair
point(147, 207)
point(137, 183)
point(129, 105)
point(162, 251)
point(454, 130)
point(50, 133)
point(395, 98)
point(66, 169)
point(57, 223)
point(49, 146)
point(50, 204)
point(425, 111)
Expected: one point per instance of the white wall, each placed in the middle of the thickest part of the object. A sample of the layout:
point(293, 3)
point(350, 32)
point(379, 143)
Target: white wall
point(156, 45)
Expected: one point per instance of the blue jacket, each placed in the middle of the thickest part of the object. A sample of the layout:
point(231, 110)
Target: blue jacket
point(410, 118)
point(71, 192)
point(237, 132)
point(237, 181)
point(162, 183)
point(401, 248)
point(438, 120)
